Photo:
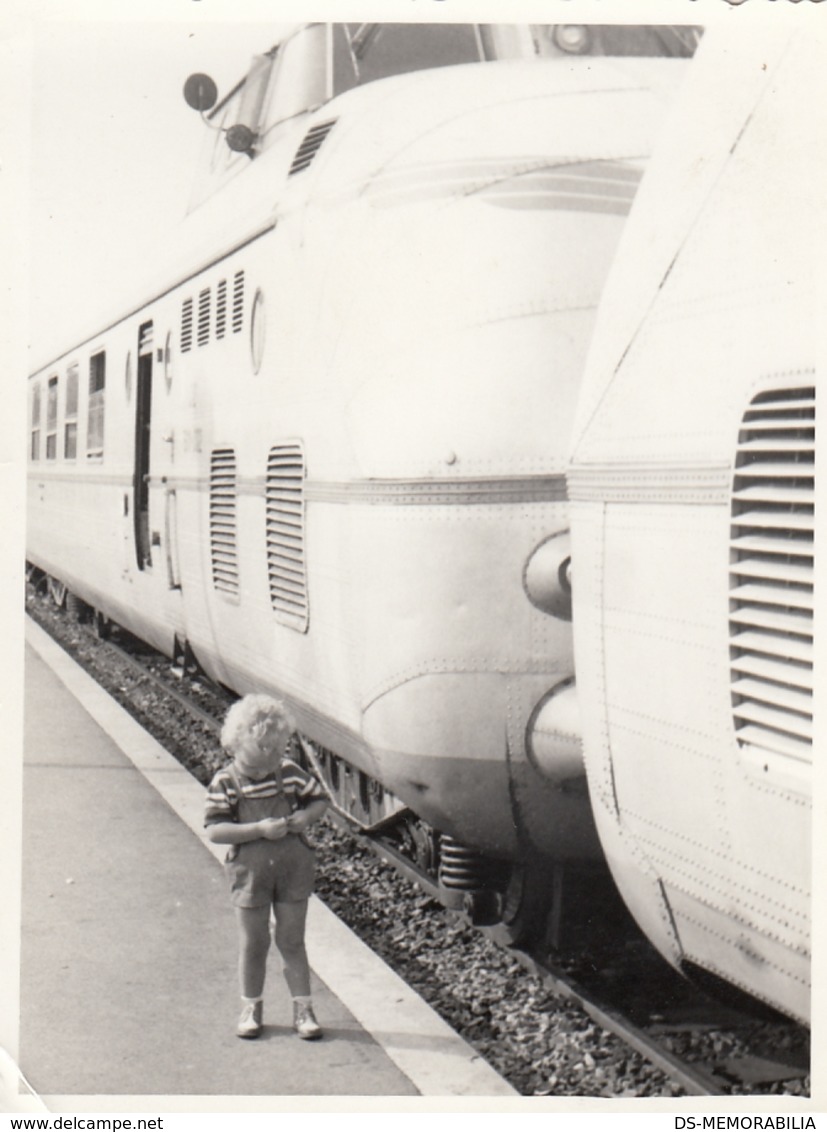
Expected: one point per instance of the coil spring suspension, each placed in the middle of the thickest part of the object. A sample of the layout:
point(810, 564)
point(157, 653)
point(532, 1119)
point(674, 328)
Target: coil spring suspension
point(460, 867)
point(467, 881)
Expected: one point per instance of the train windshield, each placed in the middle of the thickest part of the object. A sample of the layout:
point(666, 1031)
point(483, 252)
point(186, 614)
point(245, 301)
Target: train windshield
point(363, 53)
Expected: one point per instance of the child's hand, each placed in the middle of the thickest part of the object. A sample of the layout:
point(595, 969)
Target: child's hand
point(273, 829)
point(297, 821)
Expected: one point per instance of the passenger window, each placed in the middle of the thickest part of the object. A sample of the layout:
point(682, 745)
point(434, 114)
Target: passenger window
point(97, 386)
point(51, 419)
point(70, 428)
point(34, 450)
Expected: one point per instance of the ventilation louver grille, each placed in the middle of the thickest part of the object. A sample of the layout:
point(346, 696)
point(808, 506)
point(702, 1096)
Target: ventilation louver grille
point(285, 535)
point(310, 146)
point(223, 546)
point(771, 574)
point(204, 317)
point(186, 326)
point(221, 308)
point(238, 301)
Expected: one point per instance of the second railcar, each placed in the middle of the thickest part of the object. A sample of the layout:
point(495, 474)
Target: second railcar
point(693, 526)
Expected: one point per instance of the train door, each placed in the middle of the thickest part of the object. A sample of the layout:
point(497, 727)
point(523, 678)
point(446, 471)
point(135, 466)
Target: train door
point(143, 434)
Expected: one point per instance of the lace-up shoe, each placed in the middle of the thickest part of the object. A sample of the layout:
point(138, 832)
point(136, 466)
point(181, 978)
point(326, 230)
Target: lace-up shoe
point(304, 1021)
point(249, 1024)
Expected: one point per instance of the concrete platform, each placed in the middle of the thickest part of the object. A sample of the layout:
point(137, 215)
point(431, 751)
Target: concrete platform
point(128, 969)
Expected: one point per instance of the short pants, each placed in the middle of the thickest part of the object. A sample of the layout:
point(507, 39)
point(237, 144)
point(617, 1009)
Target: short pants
point(265, 872)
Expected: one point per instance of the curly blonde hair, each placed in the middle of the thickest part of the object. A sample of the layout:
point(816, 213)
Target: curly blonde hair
point(254, 715)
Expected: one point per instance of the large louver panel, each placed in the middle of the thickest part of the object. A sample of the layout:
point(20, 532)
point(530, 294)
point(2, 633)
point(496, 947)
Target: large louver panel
point(772, 574)
point(285, 535)
point(223, 545)
point(310, 146)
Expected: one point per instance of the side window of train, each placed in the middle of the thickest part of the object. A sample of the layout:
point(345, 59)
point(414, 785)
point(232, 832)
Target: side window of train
point(34, 450)
point(51, 418)
point(70, 427)
point(97, 390)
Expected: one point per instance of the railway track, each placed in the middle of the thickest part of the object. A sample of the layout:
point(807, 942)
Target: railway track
point(699, 1046)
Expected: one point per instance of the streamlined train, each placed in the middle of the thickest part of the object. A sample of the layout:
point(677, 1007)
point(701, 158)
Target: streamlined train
point(692, 488)
point(325, 456)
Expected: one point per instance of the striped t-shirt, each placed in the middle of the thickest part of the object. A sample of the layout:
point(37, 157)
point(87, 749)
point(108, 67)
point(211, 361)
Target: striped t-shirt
point(222, 793)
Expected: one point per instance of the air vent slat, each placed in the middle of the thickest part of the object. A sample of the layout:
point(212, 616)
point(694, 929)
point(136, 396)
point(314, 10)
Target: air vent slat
point(793, 444)
point(773, 595)
point(774, 695)
point(799, 676)
point(766, 643)
point(788, 429)
point(773, 741)
point(761, 469)
point(790, 621)
point(766, 568)
point(782, 543)
point(786, 722)
point(774, 520)
point(779, 407)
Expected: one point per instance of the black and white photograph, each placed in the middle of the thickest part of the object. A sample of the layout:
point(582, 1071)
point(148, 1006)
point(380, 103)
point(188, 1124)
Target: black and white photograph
point(413, 487)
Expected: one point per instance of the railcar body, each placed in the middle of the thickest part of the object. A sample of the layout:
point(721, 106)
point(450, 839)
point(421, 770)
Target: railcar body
point(692, 494)
point(328, 454)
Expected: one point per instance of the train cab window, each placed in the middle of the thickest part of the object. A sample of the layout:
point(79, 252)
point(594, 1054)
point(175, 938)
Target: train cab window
point(70, 426)
point(97, 388)
point(51, 419)
point(34, 450)
point(363, 53)
point(300, 78)
point(615, 39)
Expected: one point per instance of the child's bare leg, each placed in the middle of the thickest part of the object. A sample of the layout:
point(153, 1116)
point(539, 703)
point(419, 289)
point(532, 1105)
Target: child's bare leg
point(289, 935)
point(254, 943)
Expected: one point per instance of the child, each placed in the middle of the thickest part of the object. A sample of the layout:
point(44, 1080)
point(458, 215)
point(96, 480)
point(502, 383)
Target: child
point(260, 805)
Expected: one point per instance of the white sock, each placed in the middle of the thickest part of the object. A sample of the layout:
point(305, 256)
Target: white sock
point(303, 999)
point(250, 1001)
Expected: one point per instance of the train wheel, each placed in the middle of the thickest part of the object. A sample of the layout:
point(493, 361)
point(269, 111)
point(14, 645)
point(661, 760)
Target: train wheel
point(526, 902)
point(57, 592)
